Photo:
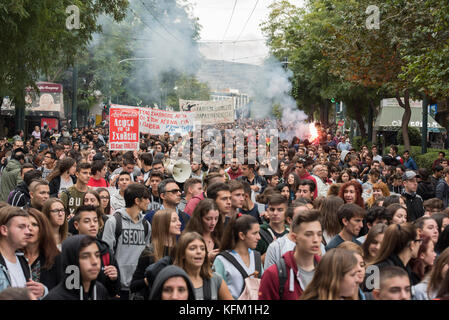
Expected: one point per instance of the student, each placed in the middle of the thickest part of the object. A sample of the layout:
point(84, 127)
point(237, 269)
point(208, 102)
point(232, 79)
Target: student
point(237, 196)
point(62, 177)
point(155, 179)
point(380, 189)
point(39, 193)
point(394, 284)
point(329, 218)
point(373, 242)
point(249, 207)
point(41, 251)
point(358, 251)
point(433, 206)
point(49, 164)
point(170, 194)
point(206, 221)
point(134, 235)
point(350, 217)
point(54, 210)
point(221, 194)
point(374, 215)
point(396, 214)
point(192, 187)
point(209, 180)
point(400, 244)
point(239, 241)
point(303, 174)
point(191, 255)
point(86, 221)
point(306, 190)
point(98, 173)
point(413, 201)
point(277, 227)
point(166, 227)
point(427, 227)
point(351, 192)
point(428, 288)
point(257, 183)
point(443, 241)
point(117, 199)
point(442, 188)
point(14, 235)
point(335, 278)
point(81, 252)
point(423, 263)
point(297, 265)
point(172, 283)
point(280, 246)
point(20, 196)
point(72, 198)
point(105, 201)
point(11, 173)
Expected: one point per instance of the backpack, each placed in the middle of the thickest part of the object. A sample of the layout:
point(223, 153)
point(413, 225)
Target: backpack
point(266, 236)
point(282, 275)
point(250, 290)
point(118, 228)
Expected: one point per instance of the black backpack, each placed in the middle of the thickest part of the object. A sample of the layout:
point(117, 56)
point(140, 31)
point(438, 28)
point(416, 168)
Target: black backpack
point(238, 266)
point(282, 274)
point(118, 228)
point(266, 236)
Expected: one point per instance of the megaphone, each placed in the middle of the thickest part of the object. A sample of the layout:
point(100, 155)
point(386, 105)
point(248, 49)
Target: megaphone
point(179, 169)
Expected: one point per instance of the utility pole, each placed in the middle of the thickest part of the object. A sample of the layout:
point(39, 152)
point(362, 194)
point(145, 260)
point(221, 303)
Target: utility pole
point(74, 96)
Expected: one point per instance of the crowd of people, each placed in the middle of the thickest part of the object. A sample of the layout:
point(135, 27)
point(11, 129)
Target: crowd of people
point(81, 222)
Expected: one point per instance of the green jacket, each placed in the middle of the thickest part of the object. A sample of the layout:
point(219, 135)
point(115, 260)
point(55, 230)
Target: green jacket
point(10, 178)
point(265, 228)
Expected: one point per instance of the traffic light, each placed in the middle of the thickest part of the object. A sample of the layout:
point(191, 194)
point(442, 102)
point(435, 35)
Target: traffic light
point(106, 108)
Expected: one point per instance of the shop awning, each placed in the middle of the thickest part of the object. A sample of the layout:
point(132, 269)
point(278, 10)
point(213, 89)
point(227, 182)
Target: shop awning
point(390, 119)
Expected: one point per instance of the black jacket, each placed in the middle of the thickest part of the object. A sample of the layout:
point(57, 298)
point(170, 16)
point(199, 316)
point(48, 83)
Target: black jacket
point(49, 277)
point(415, 208)
point(54, 185)
point(70, 288)
point(145, 260)
point(426, 190)
point(394, 260)
point(107, 259)
point(20, 196)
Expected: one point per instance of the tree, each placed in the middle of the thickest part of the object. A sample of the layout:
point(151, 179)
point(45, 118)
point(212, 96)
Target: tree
point(36, 35)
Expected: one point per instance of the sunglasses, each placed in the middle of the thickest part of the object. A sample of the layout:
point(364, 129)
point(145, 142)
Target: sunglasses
point(174, 191)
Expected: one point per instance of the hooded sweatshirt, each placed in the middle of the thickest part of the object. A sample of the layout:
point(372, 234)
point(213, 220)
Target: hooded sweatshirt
point(269, 284)
point(117, 202)
point(70, 258)
point(10, 178)
point(20, 196)
point(165, 274)
point(129, 246)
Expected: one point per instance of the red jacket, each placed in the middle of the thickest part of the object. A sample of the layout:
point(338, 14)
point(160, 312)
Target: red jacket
point(269, 284)
point(191, 205)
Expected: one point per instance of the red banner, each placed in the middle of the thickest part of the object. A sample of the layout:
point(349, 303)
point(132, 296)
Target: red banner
point(52, 123)
point(123, 128)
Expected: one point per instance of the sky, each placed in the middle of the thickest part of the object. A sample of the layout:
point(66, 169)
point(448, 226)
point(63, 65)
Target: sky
point(214, 16)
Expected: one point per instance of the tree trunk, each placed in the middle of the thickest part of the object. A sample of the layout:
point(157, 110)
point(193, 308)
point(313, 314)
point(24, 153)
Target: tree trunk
point(405, 118)
point(360, 122)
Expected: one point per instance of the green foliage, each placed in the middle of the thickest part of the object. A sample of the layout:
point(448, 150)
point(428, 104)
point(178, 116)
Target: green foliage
point(358, 142)
point(414, 135)
point(422, 160)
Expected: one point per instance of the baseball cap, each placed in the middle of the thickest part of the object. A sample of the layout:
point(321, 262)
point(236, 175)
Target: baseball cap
point(42, 147)
point(408, 175)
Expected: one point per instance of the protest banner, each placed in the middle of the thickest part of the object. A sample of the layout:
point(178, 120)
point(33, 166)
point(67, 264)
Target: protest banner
point(155, 121)
point(123, 128)
point(209, 112)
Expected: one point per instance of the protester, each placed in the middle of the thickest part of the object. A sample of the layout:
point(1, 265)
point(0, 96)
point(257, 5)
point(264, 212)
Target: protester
point(373, 242)
point(54, 210)
point(173, 283)
point(396, 214)
point(80, 251)
point(62, 177)
point(206, 221)
point(237, 253)
point(335, 278)
point(394, 284)
point(166, 227)
point(329, 218)
point(105, 200)
point(73, 197)
point(191, 255)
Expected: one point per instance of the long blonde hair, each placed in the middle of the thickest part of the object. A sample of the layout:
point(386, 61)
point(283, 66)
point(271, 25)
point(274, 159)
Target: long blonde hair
point(329, 273)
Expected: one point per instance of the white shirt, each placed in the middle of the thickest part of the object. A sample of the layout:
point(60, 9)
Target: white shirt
point(16, 274)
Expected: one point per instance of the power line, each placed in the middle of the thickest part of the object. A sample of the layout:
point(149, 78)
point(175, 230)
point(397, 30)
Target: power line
point(230, 19)
point(157, 20)
point(230, 41)
point(251, 14)
point(149, 28)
